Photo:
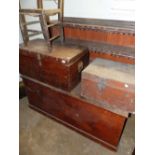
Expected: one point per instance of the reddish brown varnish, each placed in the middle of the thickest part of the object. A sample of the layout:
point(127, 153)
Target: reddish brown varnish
point(94, 55)
point(29, 64)
point(113, 38)
point(96, 123)
point(99, 84)
point(49, 69)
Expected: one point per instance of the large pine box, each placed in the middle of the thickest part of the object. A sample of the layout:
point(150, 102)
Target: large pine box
point(68, 108)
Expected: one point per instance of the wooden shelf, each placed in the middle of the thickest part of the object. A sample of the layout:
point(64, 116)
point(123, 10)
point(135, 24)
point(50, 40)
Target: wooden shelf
point(115, 50)
point(100, 24)
point(105, 50)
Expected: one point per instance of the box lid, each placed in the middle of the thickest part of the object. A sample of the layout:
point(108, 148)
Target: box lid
point(61, 52)
point(108, 69)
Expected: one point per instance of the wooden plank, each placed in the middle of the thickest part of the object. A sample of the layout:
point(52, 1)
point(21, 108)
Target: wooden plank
point(40, 4)
point(34, 34)
point(115, 24)
point(61, 7)
point(60, 18)
point(90, 33)
point(32, 22)
point(53, 24)
point(23, 28)
point(45, 30)
point(98, 49)
point(53, 38)
point(99, 25)
point(50, 12)
point(114, 57)
point(29, 11)
point(35, 31)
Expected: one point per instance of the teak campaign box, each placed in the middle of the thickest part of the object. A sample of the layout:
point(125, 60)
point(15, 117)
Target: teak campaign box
point(110, 83)
point(59, 65)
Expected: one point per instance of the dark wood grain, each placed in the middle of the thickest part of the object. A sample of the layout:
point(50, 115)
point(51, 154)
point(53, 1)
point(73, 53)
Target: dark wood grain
point(29, 64)
point(109, 82)
point(37, 62)
point(96, 123)
point(129, 26)
point(106, 51)
point(113, 38)
point(97, 30)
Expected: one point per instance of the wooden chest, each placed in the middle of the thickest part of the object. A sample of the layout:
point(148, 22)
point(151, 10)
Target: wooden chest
point(59, 65)
point(68, 108)
point(111, 83)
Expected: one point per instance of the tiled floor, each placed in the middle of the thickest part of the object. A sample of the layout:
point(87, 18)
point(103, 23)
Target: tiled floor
point(40, 135)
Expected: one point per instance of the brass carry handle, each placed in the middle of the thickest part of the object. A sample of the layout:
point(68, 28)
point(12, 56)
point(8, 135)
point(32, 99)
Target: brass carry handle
point(80, 66)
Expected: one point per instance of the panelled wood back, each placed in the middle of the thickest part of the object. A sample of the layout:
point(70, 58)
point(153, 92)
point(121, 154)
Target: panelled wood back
point(107, 31)
point(114, 38)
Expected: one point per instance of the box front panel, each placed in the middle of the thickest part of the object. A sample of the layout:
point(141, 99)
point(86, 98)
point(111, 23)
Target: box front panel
point(28, 64)
point(109, 92)
point(54, 73)
point(64, 76)
point(33, 92)
point(98, 122)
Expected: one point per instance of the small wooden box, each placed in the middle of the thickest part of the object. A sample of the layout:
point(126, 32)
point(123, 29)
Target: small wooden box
point(111, 83)
point(59, 65)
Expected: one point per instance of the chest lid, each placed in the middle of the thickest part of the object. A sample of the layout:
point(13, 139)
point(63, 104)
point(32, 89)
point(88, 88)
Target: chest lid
point(61, 52)
point(108, 69)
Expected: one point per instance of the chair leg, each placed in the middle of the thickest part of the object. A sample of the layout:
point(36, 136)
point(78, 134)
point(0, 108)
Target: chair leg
point(60, 18)
point(23, 28)
point(62, 33)
point(40, 4)
point(45, 29)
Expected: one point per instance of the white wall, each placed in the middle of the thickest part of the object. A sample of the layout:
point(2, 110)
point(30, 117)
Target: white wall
point(101, 9)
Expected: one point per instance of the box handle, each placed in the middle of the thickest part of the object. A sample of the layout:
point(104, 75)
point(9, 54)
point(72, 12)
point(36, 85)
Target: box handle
point(80, 66)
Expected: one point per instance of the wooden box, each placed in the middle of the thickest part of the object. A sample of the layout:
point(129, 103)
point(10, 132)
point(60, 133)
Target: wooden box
point(111, 83)
point(68, 108)
point(59, 65)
